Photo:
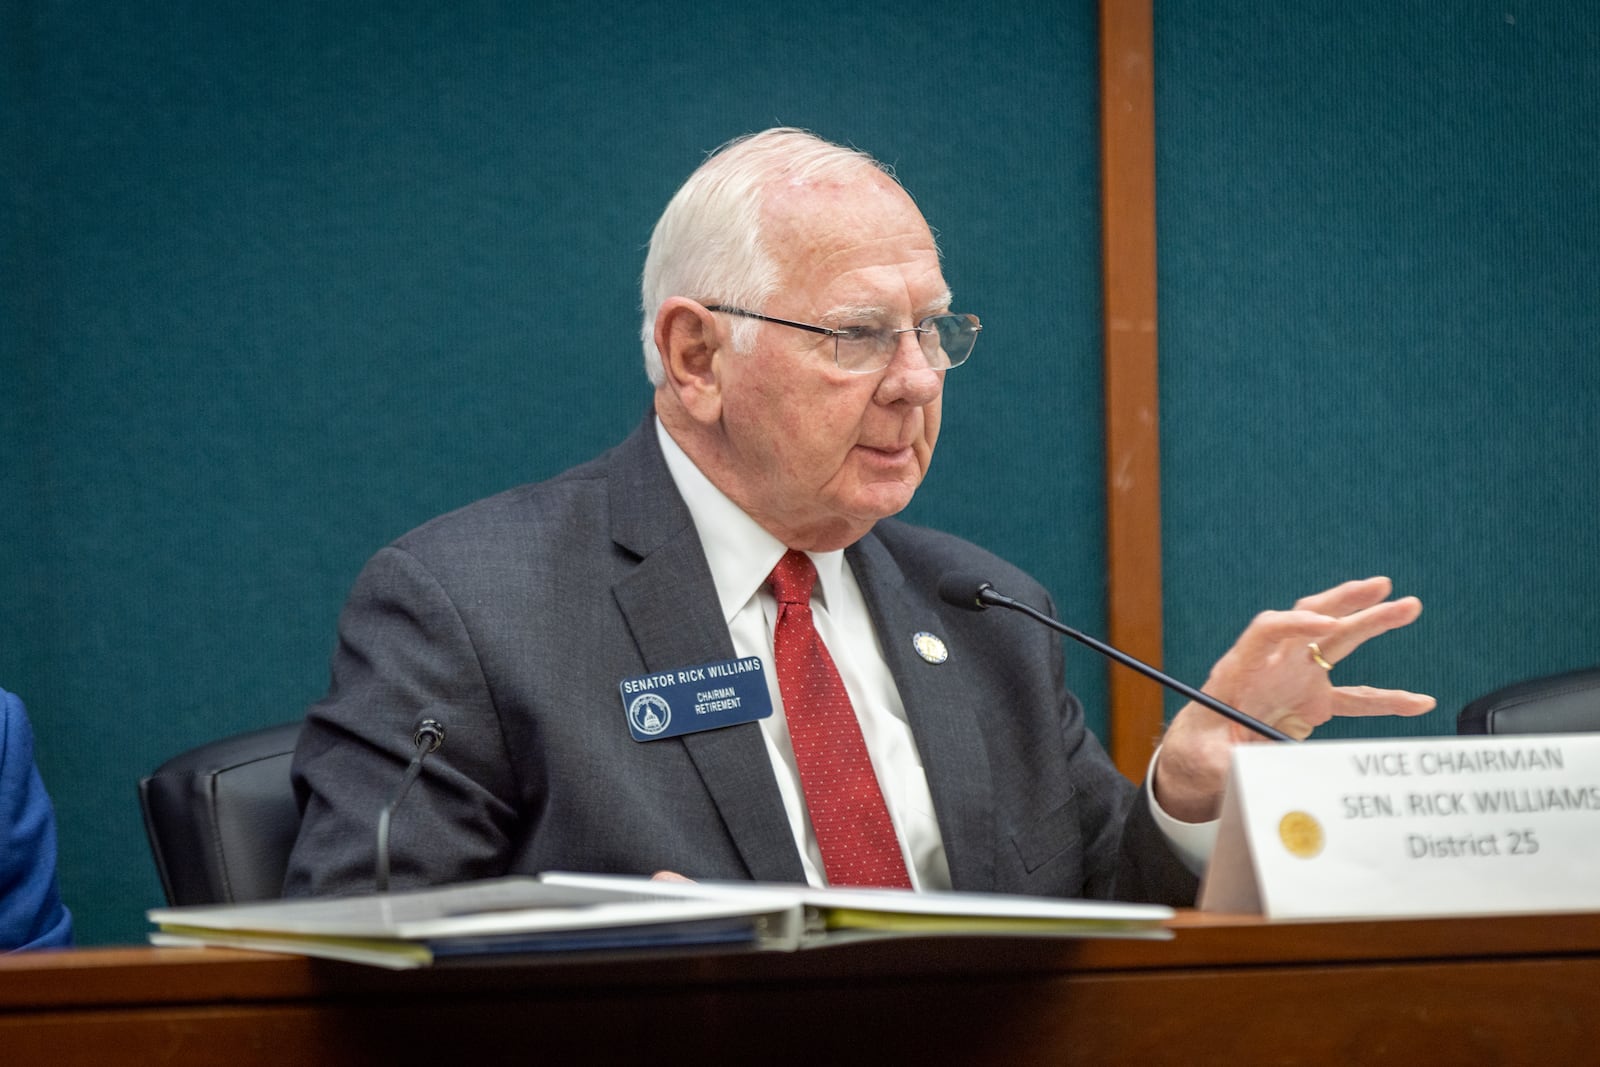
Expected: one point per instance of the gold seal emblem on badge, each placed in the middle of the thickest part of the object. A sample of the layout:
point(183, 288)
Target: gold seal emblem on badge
point(1301, 834)
point(930, 647)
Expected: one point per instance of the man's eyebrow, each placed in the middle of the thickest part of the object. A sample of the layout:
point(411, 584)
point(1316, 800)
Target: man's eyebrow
point(858, 312)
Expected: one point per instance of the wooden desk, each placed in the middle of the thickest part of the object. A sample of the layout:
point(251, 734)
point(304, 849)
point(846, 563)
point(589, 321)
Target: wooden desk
point(1229, 990)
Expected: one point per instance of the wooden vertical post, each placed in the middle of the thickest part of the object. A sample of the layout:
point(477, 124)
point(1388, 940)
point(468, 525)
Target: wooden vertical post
point(1133, 474)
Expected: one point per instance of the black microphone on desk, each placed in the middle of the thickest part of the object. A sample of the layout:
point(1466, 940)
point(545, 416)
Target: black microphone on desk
point(429, 735)
point(973, 593)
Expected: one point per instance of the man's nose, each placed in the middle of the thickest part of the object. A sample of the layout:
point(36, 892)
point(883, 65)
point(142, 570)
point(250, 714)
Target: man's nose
point(910, 376)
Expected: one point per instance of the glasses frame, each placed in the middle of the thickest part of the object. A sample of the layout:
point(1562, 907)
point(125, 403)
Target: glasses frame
point(837, 335)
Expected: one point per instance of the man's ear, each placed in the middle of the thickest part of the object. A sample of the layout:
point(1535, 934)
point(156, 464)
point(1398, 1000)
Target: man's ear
point(691, 346)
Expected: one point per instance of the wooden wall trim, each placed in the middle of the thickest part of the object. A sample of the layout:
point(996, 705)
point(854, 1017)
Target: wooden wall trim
point(1133, 476)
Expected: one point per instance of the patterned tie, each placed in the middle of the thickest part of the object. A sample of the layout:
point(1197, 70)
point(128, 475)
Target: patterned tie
point(852, 824)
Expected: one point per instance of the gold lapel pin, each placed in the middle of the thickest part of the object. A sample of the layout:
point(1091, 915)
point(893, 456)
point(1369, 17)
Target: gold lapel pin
point(930, 647)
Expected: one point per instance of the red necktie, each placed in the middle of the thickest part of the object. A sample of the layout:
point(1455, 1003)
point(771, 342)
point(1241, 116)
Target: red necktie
point(852, 824)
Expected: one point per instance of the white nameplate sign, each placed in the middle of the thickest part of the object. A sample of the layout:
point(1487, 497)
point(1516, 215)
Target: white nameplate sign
point(1421, 826)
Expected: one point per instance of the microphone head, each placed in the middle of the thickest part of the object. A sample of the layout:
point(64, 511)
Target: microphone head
point(429, 733)
point(964, 591)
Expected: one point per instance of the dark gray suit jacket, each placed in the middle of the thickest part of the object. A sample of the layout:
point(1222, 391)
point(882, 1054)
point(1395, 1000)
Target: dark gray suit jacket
point(514, 620)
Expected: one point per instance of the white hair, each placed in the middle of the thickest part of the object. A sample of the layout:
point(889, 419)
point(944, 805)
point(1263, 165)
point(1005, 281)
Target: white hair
point(708, 244)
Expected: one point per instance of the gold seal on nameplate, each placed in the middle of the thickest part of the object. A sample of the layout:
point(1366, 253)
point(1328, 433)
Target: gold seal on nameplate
point(1301, 834)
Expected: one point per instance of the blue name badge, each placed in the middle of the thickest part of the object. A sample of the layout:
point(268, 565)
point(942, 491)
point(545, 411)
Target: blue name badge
point(691, 699)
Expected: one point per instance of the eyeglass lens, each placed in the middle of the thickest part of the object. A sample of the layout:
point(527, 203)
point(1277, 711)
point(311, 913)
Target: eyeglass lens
point(946, 341)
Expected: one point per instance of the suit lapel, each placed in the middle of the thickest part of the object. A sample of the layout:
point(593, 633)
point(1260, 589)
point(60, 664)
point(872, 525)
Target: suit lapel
point(942, 711)
point(670, 605)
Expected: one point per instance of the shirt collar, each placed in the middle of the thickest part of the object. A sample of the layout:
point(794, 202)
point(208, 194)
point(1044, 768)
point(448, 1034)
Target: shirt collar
point(740, 553)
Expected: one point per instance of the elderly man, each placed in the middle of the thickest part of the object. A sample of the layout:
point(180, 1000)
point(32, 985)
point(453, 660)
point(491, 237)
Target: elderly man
point(711, 651)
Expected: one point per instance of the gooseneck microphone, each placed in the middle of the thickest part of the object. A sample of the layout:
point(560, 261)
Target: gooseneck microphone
point(974, 593)
point(429, 735)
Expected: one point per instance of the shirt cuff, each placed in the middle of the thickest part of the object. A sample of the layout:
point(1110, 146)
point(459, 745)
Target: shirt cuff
point(1191, 842)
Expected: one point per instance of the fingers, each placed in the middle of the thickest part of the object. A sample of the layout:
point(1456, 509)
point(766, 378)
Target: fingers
point(1339, 619)
point(1355, 701)
point(1293, 724)
point(1268, 632)
point(1356, 629)
point(1363, 611)
point(1347, 597)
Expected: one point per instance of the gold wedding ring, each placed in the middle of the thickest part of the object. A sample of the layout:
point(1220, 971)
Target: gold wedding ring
point(1317, 656)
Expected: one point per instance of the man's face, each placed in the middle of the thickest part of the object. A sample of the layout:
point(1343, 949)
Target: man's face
point(814, 453)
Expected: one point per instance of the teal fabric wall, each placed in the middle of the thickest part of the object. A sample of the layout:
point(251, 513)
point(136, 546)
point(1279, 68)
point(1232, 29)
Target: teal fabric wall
point(282, 280)
point(1379, 267)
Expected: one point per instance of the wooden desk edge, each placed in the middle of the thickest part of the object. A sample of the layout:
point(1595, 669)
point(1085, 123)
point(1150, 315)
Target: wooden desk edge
point(138, 975)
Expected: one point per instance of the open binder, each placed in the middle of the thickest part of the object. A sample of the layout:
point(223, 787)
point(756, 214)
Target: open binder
point(560, 914)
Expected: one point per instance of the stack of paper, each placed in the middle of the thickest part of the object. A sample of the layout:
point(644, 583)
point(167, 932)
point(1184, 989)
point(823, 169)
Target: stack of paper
point(577, 913)
point(826, 912)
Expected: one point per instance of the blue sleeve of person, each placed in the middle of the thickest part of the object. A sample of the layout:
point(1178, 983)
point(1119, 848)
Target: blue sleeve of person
point(31, 912)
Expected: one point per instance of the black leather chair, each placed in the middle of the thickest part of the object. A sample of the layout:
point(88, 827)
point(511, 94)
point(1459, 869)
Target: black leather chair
point(222, 818)
point(1556, 704)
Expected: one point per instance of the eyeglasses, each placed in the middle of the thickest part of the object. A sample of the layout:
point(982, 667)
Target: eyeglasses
point(946, 340)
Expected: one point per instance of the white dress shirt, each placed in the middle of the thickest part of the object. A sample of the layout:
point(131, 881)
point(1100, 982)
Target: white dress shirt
point(741, 556)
